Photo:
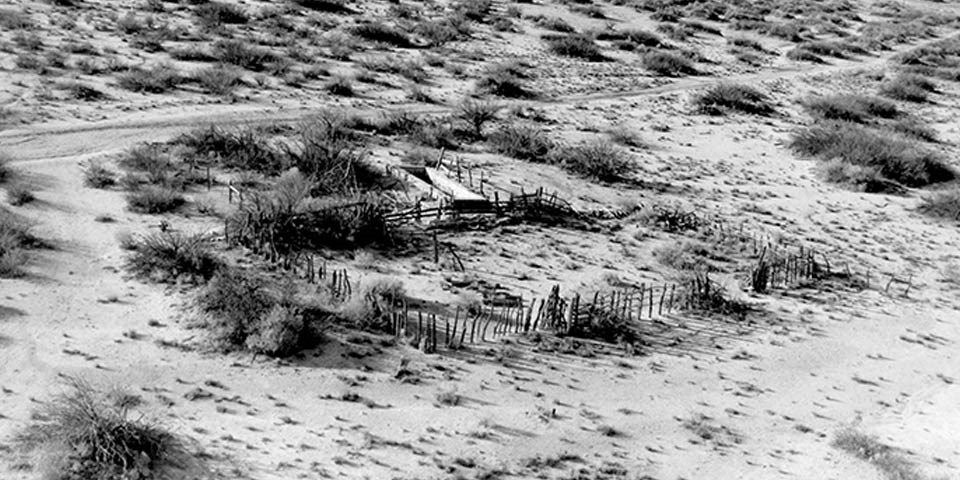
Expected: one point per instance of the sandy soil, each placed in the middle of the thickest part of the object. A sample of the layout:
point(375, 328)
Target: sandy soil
point(708, 399)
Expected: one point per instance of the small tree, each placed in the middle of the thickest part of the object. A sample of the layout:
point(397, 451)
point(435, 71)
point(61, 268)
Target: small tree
point(477, 113)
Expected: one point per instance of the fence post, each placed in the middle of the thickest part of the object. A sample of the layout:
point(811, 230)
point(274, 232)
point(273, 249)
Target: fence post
point(643, 288)
point(663, 295)
point(652, 293)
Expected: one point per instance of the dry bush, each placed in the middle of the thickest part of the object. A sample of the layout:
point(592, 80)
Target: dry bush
point(575, 46)
point(213, 13)
point(370, 309)
point(692, 256)
point(154, 199)
point(505, 80)
point(623, 135)
point(892, 464)
point(598, 159)
point(555, 24)
point(160, 78)
point(913, 128)
point(381, 33)
point(748, 43)
point(12, 20)
point(604, 326)
point(98, 176)
point(173, 256)
point(524, 142)
point(340, 85)
point(19, 195)
point(477, 113)
point(235, 298)
point(218, 80)
point(6, 171)
point(248, 313)
point(909, 88)
point(327, 152)
point(895, 159)
point(437, 133)
point(239, 53)
point(802, 55)
point(242, 149)
point(945, 204)
point(859, 177)
point(86, 93)
point(668, 64)
point(726, 97)
point(15, 238)
point(327, 6)
point(834, 49)
point(851, 107)
point(88, 434)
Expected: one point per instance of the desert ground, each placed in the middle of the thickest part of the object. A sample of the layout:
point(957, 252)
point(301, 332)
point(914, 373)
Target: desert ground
point(687, 141)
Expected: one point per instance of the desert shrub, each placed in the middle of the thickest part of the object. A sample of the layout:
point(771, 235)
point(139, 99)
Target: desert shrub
point(475, 10)
point(694, 256)
point(19, 195)
point(908, 87)
point(15, 238)
point(555, 24)
point(342, 223)
point(236, 299)
point(895, 159)
point(27, 40)
point(851, 107)
point(436, 133)
point(213, 13)
point(370, 310)
point(439, 33)
point(90, 434)
point(84, 92)
point(242, 149)
point(524, 142)
point(911, 127)
point(858, 177)
point(154, 199)
point(157, 79)
point(477, 114)
point(668, 64)
point(832, 48)
point(727, 97)
point(29, 61)
point(623, 135)
point(14, 19)
point(340, 85)
point(98, 176)
point(218, 80)
point(327, 153)
point(802, 55)
point(744, 42)
point(277, 333)
point(598, 159)
point(382, 33)
point(605, 326)
point(149, 159)
point(6, 171)
point(237, 52)
point(945, 204)
point(172, 256)
point(505, 80)
point(191, 53)
point(576, 46)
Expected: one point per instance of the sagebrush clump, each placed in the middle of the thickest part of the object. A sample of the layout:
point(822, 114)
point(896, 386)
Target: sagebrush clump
point(894, 158)
point(730, 97)
point(173, 256)
point(86, 433)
